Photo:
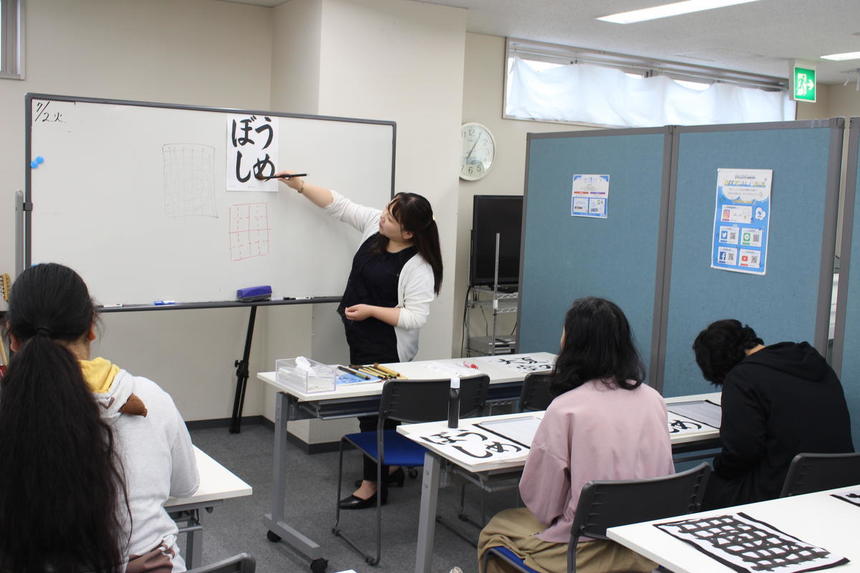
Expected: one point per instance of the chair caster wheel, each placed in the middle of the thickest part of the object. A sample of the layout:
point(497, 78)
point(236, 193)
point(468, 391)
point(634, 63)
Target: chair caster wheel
point(272, 536)
point(371, 561)
point(319, 565)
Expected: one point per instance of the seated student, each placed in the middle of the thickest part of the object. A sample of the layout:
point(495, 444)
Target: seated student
point(89, 452)
point(778, 401)
point(603, 424)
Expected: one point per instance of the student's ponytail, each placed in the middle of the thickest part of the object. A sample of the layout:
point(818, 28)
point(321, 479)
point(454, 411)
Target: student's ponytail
point(62, 496)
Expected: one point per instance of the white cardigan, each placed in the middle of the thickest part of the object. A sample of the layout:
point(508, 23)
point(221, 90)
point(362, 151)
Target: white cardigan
point(415, 286)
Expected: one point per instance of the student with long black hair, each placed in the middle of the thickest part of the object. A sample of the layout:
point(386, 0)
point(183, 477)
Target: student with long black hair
point(395, 275)
point(604, 424)
point(89, 452)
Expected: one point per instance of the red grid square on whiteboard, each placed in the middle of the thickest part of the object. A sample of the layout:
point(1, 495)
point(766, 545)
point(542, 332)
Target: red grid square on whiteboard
point(249, 231)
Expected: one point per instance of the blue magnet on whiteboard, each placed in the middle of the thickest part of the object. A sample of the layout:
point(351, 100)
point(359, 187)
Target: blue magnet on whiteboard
point(40, 160)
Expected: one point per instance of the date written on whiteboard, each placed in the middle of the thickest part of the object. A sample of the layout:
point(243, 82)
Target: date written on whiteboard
point(44, 113)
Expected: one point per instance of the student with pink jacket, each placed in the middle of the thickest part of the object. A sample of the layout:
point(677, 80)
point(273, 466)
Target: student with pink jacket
point(604, 424)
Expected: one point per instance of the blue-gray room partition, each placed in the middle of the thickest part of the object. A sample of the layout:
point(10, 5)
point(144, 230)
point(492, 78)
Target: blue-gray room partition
point(846, 344)
point(566, 257)
point(791, 301)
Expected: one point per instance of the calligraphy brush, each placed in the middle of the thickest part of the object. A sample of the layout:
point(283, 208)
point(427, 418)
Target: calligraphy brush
point(262, 177)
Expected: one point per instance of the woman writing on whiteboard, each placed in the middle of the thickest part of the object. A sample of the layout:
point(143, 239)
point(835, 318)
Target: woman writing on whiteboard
point(90, 452)
point(395, 275)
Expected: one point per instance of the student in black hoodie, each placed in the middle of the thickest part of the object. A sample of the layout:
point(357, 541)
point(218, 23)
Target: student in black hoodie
point(778, 401)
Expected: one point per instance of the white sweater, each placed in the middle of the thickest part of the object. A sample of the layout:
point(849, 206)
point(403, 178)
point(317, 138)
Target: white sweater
point(157, 457)
point(415, 285)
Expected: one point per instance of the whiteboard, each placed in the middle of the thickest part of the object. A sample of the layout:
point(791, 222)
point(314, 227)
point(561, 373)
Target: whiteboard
point(133, 196)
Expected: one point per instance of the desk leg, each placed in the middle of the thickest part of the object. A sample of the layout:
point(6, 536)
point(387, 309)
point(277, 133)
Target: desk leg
point(427, 517)
point(278, 528)
point(194, 544)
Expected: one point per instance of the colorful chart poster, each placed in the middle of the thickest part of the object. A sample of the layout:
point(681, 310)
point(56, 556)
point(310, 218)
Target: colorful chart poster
point(741, 220)
point(589, 196)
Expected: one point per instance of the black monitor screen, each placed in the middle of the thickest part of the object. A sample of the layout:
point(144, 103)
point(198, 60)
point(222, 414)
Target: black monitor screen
point(494, 214)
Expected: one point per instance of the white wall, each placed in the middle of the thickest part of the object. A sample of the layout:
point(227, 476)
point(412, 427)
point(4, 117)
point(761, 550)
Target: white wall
point(483, 86)
point(409, 69)
point(844, 100)
point(391, 60)
point(179, 51)
point(387, 59)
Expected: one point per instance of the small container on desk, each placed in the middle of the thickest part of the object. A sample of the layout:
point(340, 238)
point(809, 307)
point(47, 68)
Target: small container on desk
point(320, 377)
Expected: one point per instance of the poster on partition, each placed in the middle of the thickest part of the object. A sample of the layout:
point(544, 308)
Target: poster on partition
point(741, 220)
point(589, 196)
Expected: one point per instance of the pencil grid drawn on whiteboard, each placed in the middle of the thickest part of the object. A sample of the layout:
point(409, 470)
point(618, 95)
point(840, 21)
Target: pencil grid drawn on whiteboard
point(249, 231)
point(189, 181)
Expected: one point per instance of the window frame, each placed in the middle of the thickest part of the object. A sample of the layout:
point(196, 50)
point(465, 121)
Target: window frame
point(634, 65)
point(12, 23)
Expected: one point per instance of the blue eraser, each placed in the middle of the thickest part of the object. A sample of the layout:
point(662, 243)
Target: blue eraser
point(249, 294)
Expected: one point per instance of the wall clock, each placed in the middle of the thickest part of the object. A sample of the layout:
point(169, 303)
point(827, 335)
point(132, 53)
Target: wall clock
point(479, 150)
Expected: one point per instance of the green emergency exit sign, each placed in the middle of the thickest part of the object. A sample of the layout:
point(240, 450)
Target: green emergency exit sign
point(804, 84)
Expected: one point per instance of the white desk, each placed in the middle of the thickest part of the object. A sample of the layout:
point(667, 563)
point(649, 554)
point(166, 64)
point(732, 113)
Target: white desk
point(815, 518)
point(357, 400)
point(217, 483)
point(490, 470)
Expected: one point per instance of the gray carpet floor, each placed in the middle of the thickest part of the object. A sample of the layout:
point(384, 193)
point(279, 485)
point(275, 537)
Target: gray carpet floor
point(236, 525)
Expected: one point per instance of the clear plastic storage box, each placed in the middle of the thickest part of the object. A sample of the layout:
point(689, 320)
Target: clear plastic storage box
point(320, 377)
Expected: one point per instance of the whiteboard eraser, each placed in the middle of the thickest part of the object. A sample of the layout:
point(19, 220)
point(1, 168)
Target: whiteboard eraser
point(255, 293)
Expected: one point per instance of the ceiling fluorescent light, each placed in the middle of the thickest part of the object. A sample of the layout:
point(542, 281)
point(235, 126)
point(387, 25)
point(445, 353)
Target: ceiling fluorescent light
point(842, 57)
point(667, 10)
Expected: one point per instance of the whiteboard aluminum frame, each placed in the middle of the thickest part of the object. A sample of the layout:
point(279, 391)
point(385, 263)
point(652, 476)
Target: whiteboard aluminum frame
point(26, 222)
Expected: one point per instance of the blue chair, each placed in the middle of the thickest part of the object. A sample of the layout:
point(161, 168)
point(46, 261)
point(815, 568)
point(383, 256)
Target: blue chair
point(408, 401)
point(817, 472)
point(609, 503)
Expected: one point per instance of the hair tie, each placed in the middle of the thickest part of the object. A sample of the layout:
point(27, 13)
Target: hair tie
point(43, 331)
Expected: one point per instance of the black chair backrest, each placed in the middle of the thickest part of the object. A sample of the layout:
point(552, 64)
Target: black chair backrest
point(414, 401)
point(604, 504)
point(241, 563)
point(535, 394)
point(817, 472)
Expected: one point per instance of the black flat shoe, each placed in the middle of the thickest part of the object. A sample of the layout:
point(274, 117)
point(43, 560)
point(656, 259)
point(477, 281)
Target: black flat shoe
point(353, 502)
point(396, 478)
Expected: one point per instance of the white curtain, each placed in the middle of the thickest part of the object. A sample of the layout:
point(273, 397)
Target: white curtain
point(594, 94)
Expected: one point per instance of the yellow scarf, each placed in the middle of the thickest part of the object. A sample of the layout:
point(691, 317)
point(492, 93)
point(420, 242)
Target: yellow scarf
point(99, 375)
